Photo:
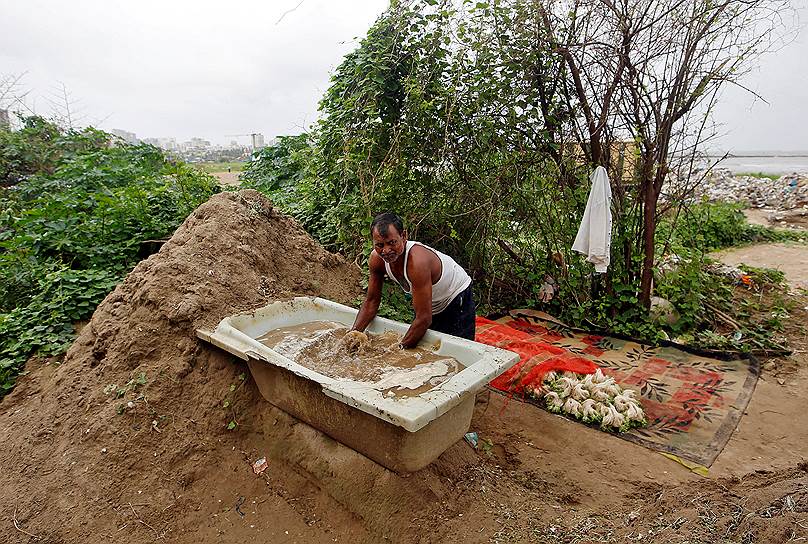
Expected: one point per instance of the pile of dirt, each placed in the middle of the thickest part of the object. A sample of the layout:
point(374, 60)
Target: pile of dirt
point(144, 433)
point(123, 430)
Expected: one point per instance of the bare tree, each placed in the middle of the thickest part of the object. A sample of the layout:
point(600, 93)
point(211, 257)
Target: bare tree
point(13, 93)
point(65, 110)
point(638, 71)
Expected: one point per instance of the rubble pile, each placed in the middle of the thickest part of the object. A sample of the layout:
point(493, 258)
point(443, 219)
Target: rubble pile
point(784, 193)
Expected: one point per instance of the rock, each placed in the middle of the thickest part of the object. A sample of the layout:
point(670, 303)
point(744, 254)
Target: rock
point(663, 311)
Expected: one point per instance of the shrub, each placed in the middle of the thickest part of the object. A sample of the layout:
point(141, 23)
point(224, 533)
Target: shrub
point(75, 208)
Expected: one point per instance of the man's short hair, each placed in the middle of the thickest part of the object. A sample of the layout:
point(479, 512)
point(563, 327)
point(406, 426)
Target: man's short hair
point(383, 221)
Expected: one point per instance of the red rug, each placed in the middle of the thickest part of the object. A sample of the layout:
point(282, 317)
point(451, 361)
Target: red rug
point(692, 402)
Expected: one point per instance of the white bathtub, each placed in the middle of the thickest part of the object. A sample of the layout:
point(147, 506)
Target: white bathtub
point(403, 434)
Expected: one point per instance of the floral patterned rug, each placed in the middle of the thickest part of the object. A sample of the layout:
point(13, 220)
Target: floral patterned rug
point(692, 402)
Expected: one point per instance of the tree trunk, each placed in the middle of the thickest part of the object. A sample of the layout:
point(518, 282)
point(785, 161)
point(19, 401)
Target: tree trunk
point(649, 232)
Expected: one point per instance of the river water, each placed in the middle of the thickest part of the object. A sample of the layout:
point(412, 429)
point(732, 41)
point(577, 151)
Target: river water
point(765, 164)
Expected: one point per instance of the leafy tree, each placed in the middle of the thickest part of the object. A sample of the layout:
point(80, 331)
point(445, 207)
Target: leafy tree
point(479, 123)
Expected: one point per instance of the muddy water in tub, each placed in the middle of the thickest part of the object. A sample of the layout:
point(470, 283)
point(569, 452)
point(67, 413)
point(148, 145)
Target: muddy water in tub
point(380, 363)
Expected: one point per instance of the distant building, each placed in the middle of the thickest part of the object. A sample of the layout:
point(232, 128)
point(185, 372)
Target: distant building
point(198, 143)
point(129, 137)
point(258, 141)
point(169, 144)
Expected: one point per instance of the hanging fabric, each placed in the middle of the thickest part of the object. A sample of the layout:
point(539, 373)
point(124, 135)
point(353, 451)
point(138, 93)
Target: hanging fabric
point(594, 237)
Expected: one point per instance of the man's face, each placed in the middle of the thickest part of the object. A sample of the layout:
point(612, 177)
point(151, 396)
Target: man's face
point(391, 246)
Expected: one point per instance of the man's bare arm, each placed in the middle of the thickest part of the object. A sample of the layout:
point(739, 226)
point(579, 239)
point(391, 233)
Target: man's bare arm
point(373, 297)
point(421, 285)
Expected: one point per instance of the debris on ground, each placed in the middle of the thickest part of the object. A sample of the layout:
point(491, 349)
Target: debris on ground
point(733, 273)
point(784, 193)
point(260, 465)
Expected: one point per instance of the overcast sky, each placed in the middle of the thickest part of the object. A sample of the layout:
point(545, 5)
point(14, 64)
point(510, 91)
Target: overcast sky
point(209, 69)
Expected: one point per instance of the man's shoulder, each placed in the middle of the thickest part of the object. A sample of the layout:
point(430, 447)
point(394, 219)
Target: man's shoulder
point(376, 263)
point(423, 252)
point(421, 256)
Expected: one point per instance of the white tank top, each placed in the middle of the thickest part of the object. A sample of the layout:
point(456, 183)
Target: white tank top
point(453, 279)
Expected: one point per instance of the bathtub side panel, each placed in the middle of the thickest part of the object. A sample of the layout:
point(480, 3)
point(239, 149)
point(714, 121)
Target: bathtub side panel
point(389, 445)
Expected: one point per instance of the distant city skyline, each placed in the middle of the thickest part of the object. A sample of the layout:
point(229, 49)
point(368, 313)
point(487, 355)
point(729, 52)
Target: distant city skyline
point(256, 142)
point(181, 69)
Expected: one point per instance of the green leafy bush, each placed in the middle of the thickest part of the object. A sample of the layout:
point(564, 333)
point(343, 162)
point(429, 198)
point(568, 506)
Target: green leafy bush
point(454, 124)
point(45, 324)
point(76, 206)
point(709, 226)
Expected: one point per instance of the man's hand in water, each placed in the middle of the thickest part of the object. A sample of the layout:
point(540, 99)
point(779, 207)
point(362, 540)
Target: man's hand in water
point(396, 346)
point(355, 341)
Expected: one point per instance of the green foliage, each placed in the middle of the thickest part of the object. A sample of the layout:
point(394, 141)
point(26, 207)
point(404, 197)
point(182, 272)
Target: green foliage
point(35, 148)
point(281, 171)
point(412, 125)
point(132, 385)
point(230, 400)
point(710, 226)
point(44, 324)
point(74, 212)
point(707, 226)
point(395, 303)
point(720, 312)
point(765, 276)
point(453, 116)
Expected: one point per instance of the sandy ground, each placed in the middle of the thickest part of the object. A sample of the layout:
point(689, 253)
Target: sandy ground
point(760, 442)
point(795, 219)
point(791, 258)
point(755, 216)
point(227, 179)
point(77, 464)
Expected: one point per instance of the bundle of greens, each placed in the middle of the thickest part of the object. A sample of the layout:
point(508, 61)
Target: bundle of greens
point(595, 399)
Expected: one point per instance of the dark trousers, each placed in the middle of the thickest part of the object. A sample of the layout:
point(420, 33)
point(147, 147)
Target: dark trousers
point(457, 318)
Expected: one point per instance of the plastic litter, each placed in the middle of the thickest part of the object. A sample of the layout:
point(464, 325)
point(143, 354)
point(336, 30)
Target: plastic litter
point(472, 439)
point(260, 465)
point(548, 289)
point(737, 275)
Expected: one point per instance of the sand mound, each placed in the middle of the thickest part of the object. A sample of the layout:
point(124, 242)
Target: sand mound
point(128, 436)
point(128, 440)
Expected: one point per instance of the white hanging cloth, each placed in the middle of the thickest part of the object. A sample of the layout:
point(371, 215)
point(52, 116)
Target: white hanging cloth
point(594, 237)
